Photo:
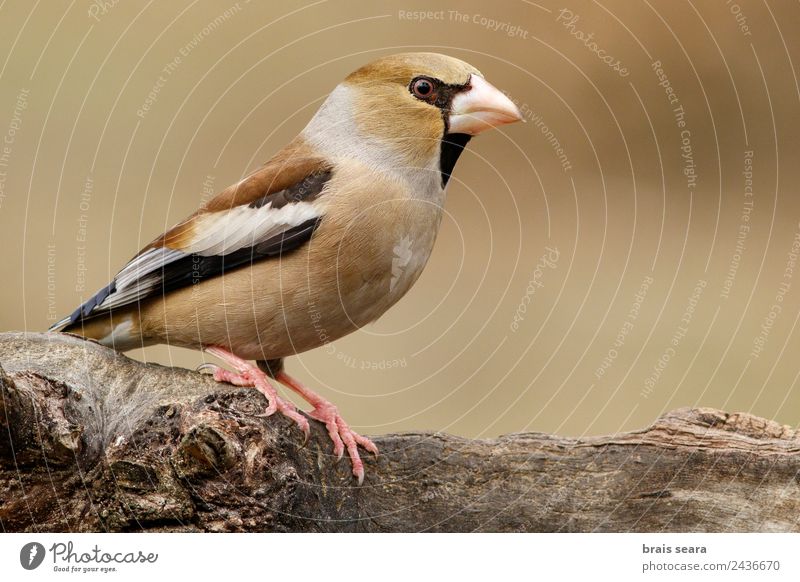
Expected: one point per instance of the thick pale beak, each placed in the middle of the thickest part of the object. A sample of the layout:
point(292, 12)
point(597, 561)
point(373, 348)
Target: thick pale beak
point(481, 107)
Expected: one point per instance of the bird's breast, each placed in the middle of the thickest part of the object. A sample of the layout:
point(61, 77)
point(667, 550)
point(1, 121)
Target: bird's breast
point(382, 243)
point(371, 245)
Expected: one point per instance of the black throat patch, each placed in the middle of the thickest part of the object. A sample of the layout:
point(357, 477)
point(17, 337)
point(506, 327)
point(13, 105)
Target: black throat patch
point(452, 146)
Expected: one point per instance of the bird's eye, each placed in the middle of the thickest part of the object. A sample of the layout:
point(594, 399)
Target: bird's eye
point(422, 88)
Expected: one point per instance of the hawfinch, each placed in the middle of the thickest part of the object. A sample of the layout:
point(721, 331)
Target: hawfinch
point(301, 251)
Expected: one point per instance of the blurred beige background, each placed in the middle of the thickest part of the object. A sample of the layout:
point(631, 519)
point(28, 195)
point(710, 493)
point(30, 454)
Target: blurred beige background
point(598, 266)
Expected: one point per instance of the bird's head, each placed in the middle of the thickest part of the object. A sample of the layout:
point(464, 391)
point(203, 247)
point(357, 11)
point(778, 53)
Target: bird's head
point(419, 107)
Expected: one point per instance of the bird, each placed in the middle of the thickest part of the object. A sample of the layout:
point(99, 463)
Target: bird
point(316, 243)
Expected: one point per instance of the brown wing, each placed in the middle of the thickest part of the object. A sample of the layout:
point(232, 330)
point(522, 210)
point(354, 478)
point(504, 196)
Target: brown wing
point(269, 213)
point(288, 168)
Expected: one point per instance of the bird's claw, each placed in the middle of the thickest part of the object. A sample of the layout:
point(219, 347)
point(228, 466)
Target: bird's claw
point(344, 438)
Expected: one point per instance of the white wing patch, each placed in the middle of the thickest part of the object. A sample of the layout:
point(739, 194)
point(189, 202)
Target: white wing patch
point(219, 233)
point(224, 232)
point(145, 263)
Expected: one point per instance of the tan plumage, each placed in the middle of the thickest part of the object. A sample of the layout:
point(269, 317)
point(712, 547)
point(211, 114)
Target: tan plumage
point(301, 252)
point(265, 311)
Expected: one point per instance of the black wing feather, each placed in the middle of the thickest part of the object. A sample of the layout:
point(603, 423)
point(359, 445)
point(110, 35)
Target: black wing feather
point(194, 268)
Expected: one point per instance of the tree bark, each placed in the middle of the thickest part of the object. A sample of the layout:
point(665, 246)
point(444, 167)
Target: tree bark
point(91, 440)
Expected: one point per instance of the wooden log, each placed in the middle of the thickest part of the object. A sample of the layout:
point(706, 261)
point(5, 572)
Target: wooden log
point(91, 440)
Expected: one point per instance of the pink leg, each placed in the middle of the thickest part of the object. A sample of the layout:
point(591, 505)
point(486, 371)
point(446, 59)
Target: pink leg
point(248, 374)
point(340, 432)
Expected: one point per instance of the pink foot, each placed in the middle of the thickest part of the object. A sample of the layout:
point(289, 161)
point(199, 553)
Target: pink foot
point(248, 374)
point(340, 432)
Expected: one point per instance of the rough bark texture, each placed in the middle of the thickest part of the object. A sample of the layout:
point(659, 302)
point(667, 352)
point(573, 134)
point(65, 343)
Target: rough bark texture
point(93, 441)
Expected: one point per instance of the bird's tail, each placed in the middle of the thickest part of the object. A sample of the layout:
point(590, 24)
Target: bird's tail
point(113, 330)
point(61, 325)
